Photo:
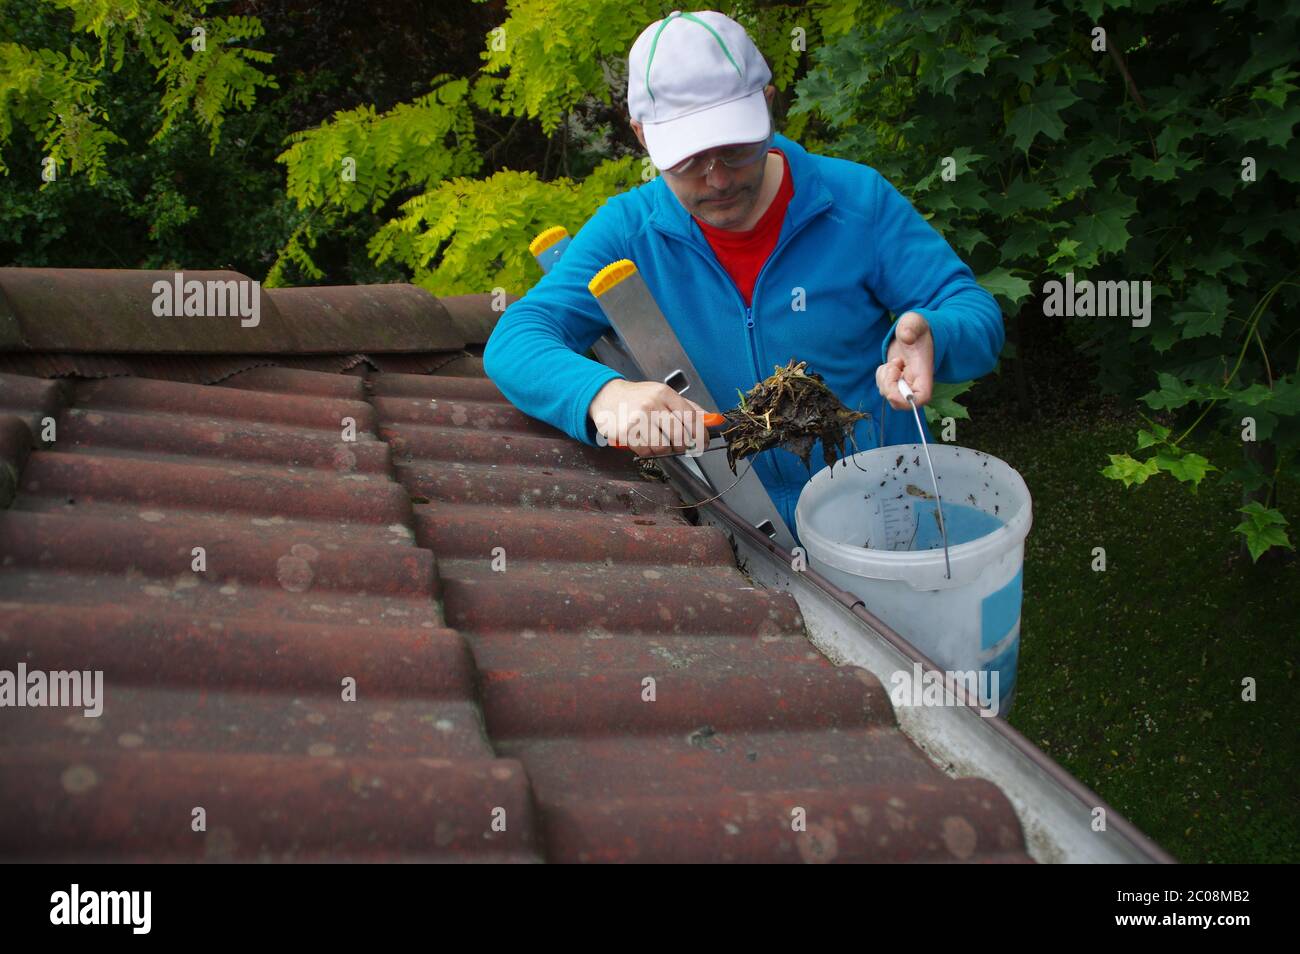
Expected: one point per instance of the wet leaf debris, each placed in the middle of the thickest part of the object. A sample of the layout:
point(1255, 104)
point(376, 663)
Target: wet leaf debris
point(792, 409)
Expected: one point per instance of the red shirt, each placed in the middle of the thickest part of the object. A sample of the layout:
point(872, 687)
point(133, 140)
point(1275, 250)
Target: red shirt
point(743, 254)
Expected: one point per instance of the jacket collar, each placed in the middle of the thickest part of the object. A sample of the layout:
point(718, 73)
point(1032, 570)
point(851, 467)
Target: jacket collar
point(811, 197)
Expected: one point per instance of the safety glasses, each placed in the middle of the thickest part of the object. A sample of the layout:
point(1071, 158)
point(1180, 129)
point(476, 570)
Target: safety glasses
point(733, 157)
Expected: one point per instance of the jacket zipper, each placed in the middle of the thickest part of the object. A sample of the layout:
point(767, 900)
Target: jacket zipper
point(747, 310)
point(708, 255)
point(749, 320)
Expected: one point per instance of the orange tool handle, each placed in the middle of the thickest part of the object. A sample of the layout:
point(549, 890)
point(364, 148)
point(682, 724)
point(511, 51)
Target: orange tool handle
point(710, 420)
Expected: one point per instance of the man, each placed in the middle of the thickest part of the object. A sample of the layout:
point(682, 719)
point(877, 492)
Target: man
point(756, 251)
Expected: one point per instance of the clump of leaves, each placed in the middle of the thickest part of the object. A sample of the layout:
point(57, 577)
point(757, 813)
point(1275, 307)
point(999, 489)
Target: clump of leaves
point(792, 409)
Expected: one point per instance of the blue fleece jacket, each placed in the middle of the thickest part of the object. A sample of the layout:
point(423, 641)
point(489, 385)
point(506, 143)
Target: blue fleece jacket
point(851, 251)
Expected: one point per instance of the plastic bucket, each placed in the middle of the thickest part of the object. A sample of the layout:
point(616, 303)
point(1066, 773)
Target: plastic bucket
point(969, 623)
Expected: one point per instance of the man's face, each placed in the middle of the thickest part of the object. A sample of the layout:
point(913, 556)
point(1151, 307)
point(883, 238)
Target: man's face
point(725, 197)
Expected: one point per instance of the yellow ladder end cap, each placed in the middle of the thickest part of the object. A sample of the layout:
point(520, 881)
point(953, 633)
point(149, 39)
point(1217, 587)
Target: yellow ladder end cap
point(611, 275)
point(547, 238)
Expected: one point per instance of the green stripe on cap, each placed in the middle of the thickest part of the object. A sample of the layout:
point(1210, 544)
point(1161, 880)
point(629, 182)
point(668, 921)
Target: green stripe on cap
point(694, 19)
point(650, 59)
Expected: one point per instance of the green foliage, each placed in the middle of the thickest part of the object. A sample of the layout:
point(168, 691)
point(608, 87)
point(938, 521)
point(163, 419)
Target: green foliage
point(1263, 528)
point(549, 55)
point(413, 145)
point(542, 63)
point(943, 401)
point(58, 96)
point(209, 82)
point(215, 76)
point(1168, 457)
point(53, 95)
point(360, 159)
point(161, 202)
point(1125, 468)
point(468, 235)
point(1124, 163)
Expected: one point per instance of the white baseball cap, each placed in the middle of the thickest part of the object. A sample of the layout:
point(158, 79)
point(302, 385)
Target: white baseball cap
point(695, 82)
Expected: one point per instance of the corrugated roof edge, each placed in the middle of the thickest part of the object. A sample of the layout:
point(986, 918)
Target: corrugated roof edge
point(132, 311)
point(216, 369)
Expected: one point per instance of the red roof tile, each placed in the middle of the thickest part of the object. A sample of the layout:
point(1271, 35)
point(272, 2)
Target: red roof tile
point(478, 689)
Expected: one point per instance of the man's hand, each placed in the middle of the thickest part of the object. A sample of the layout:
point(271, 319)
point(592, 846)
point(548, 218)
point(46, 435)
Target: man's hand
point(911, 355)
point(649, 417)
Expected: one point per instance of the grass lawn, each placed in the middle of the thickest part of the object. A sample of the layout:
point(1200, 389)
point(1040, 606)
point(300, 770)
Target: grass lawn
point(1131, 678)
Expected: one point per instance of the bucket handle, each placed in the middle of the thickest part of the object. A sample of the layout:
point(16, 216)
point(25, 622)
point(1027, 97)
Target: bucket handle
point(906, 391)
